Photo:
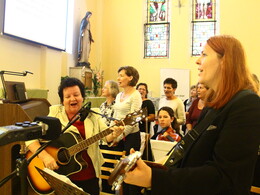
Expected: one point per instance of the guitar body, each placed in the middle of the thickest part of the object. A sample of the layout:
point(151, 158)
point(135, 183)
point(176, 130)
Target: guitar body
point(67, 149)
point(68, 166)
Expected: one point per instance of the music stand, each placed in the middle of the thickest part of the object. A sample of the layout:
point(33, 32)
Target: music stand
point(15, 91)
point(2, 72)
point(60, 187)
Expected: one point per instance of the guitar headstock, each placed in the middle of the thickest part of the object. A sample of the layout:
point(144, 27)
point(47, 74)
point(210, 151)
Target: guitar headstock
point(135, 117)
point(116, 178)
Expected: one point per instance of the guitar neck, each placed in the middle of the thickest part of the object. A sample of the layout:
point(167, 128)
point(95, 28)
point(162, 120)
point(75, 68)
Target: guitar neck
point(130, 119)
point(87, 142)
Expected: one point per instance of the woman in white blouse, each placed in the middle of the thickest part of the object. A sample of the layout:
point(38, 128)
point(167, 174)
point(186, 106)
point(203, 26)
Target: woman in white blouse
point(128, 101)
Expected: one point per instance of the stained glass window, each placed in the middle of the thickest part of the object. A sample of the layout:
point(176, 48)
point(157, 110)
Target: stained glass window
point(201, 32)
point(156, 43)
point(156, 30)
point(203, 23)
point(157, 11)
point(203, 10)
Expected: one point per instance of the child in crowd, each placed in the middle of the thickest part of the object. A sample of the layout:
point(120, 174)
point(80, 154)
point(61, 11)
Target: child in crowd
point(167, 122)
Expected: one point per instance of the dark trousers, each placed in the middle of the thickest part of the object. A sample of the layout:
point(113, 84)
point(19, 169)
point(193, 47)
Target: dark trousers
point(90, 186)
point(133, 140)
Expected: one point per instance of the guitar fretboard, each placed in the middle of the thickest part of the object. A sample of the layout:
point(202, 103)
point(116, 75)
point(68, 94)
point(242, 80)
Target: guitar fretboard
point(87, 142)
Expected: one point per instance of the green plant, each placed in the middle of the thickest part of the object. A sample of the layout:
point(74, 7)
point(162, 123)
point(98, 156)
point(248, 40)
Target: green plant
point(62, 78)
point(97, 80)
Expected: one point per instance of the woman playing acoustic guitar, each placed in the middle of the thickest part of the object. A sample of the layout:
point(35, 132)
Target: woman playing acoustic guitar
point(72, 93)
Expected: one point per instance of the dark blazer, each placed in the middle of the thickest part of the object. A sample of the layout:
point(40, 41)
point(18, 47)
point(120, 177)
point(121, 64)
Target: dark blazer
point(222, 160)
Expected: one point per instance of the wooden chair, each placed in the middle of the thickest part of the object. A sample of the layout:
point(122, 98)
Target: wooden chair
point(111, 159)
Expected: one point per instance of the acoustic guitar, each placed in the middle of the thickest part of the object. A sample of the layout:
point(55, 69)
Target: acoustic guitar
point(66, 150)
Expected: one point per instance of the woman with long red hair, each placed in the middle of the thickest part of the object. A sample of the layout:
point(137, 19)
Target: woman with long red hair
point(221, 161)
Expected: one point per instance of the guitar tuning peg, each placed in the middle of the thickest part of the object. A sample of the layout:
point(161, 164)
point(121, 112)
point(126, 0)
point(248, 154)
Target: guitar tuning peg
point(138, 118)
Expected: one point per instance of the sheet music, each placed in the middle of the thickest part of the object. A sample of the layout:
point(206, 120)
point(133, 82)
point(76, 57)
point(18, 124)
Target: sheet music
point(61, 177)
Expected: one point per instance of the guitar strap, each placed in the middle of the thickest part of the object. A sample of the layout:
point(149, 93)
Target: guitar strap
point(177, 152)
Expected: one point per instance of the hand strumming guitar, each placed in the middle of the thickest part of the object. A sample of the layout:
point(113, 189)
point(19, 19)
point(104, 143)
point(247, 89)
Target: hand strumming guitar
point(48, 161)
point(140, 171)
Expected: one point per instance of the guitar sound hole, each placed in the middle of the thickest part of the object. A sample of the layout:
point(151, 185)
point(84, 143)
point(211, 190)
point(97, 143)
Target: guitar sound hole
point(63, 156)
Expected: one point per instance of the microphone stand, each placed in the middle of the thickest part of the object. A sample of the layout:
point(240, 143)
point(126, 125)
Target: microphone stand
point(110, 118)
point(22, 163)
point(146, 136)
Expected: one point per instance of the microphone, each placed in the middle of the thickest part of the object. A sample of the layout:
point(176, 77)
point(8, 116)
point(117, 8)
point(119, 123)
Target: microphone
point(84, 111)
point(51, 127)
point(48, 128)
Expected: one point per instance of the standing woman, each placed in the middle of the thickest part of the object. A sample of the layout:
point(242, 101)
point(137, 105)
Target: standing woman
point(193, 96)
point(170, 86)
point(196, 107)
point(128, 101)
point(143, 90)
point(187, 104)
point(145, 124)
point(110, 91)
point(222, 159)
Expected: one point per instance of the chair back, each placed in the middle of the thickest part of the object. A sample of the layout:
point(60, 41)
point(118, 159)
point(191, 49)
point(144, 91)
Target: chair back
point(111, 158)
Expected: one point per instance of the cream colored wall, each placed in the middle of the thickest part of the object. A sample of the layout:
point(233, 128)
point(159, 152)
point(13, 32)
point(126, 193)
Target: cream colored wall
point(117, 28)
point(241, 19)
point(47, 65)
point(122, 37)
point(123, 23)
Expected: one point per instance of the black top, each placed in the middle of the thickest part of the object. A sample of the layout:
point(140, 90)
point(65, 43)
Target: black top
point(150, 110)
point(222, 160)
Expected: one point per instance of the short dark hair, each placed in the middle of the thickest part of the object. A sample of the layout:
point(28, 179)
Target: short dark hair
point(70, 82)
point(146, 87)
point(171, 81)
point(130, 71)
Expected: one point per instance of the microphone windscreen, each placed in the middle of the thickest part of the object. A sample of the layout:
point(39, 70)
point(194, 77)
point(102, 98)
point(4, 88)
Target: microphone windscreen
point(54, 127)
point(84, 111)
